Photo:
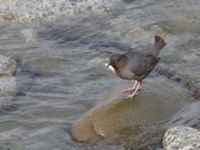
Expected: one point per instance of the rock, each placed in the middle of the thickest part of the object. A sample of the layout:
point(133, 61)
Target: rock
point(113, 116)
point(181, 138)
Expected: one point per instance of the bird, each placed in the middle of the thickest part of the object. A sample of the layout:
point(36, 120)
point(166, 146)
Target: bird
point(136, 65)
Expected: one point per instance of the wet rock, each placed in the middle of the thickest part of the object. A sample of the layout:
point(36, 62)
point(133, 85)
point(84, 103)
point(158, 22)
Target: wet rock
point(115, 120)
point(181, 138)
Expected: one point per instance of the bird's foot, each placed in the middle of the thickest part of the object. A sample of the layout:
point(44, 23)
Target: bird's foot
point(130, 96)
point(129, 90)
point(135, 90)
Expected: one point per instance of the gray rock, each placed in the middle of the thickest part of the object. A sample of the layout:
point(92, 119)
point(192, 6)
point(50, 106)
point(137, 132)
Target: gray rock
point(181, 138)
point(115, 120)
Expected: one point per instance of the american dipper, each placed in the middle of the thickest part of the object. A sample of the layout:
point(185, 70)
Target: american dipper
point(135, 65)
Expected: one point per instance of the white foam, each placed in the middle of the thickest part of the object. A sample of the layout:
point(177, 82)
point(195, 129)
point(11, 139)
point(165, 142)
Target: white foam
point(23, 10)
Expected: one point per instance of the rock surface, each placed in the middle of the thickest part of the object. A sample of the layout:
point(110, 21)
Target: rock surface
point(181, 138)
point(115, 119)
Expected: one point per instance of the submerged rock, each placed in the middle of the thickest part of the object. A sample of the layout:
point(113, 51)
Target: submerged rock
point(115, 120)
point(181, 138)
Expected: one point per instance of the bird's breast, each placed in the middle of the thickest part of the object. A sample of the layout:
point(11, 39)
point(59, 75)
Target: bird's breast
point(127, 74)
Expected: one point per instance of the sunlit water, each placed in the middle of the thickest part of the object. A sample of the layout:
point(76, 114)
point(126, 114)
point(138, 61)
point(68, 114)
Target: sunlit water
point(61, 58)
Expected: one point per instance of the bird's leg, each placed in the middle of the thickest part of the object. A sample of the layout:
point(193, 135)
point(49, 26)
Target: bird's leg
point(135, 84)
point(131, 88)
point(138, 86)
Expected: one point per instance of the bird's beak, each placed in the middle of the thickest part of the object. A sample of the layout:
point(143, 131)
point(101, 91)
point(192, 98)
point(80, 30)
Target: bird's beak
point(109, 66)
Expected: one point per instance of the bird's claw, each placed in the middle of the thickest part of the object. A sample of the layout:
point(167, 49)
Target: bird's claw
point(129, 90)
point(130, 97)
point(133, 91)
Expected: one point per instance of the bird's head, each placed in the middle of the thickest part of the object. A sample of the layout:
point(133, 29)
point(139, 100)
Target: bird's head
point(117, 61)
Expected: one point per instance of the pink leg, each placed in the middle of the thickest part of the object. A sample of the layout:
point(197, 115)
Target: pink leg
point(132, 88)
point(135, 92)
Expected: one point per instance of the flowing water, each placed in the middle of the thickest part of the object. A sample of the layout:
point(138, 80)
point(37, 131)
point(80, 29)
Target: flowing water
point(61, 48)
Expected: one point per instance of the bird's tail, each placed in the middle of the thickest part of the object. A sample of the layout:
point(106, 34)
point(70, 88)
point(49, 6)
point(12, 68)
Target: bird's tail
point(159, 42)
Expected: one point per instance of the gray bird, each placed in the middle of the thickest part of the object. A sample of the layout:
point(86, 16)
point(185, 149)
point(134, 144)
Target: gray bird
point(135, 65)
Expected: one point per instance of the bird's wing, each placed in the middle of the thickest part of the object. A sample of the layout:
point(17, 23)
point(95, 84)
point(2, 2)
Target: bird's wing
point(150, 62)
point(136, 62)
point(144, 65)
